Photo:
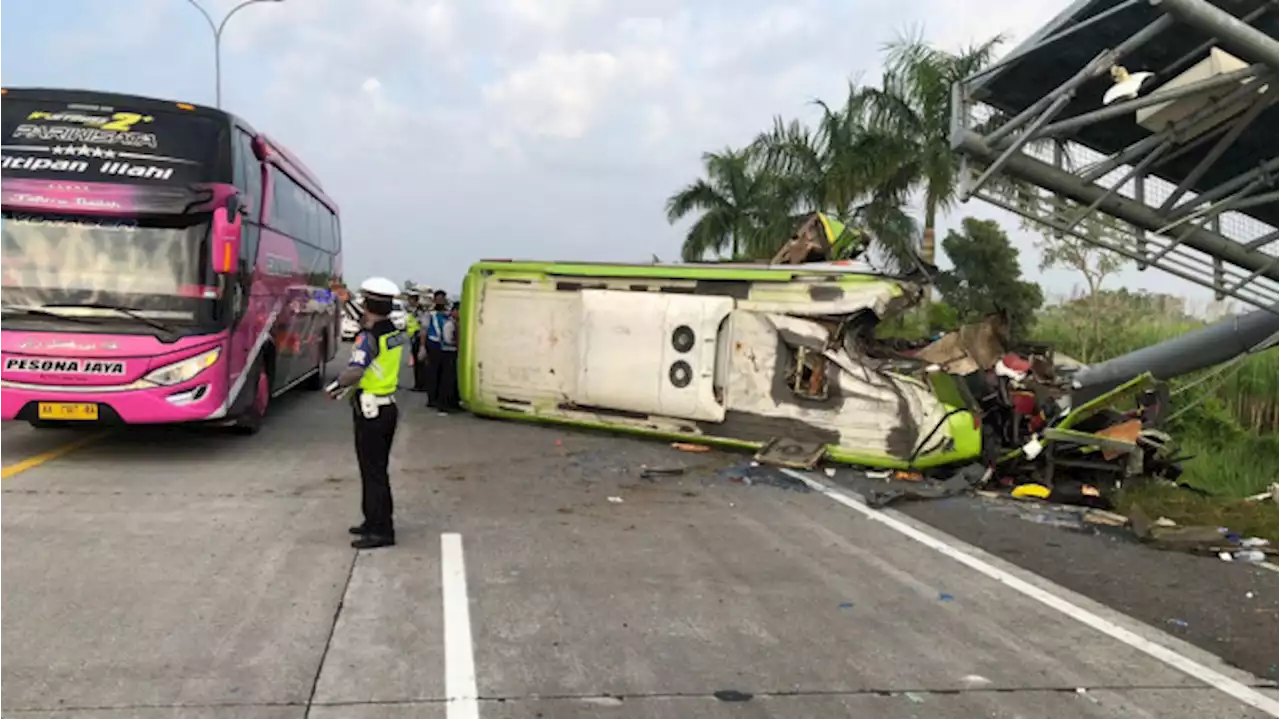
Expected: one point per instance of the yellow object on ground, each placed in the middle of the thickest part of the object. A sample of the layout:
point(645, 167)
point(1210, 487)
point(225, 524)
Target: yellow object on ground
point(1030, 491)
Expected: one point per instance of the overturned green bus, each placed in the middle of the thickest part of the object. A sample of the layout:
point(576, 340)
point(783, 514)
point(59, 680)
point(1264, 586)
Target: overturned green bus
point(725, 354)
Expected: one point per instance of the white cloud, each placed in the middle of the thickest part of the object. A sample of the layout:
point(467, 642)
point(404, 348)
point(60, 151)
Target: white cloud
point(558, 95)
point(371, 85)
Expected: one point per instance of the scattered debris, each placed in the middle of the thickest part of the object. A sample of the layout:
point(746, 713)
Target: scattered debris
point(615, 500)
point(1179, 623)
point(754, 473)
point(1046, 441)
point(846, 605)
point(1103, 517)
point(965, 480)
point(689, 447)
point(652, 472)
point(1199, 539)
point(1272, 494)
point(944, 597)
point(733, 695)
point(786, 452)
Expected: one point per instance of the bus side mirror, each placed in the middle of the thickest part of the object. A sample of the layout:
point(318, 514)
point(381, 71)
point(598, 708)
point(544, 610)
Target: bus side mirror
point(226, 237)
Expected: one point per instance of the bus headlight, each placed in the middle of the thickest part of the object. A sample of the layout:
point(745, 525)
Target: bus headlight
point(186, 369)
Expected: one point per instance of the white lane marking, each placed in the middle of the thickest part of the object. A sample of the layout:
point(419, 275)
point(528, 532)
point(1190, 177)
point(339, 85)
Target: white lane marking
point(1183, 664)
point(459, 658)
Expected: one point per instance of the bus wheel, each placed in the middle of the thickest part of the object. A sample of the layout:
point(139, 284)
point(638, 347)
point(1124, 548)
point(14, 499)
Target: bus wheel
point(251, 421)
point(316, 381)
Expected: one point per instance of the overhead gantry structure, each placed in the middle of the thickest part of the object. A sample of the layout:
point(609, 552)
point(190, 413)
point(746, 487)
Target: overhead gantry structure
point(1146, 127)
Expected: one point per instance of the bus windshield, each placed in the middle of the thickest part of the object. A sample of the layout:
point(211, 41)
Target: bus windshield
point(129, 274)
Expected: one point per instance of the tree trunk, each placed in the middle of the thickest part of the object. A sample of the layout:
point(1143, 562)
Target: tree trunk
point(928, 247)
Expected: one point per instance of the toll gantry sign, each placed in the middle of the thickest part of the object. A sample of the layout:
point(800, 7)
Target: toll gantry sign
point(1147, 127)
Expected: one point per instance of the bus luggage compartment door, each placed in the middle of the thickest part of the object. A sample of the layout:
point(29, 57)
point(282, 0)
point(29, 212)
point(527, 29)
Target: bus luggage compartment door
point(651, 352)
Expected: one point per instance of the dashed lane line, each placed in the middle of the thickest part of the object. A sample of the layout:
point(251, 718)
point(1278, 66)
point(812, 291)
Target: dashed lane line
point(459, 656)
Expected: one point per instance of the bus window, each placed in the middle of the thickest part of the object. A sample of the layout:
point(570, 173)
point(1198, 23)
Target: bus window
point(248, 174)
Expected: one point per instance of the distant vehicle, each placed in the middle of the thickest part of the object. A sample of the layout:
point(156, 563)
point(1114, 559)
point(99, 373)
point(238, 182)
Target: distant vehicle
point(738, 355)
point(162, 262)
point(351, 318)
point(350, 328)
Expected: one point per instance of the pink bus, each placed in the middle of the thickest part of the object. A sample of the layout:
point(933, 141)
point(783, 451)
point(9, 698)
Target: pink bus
point(162, 262)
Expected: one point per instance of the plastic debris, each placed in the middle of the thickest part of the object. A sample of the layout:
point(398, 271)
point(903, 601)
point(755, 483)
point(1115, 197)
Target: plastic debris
point(689, 447)
point(944, 597)
point(615, 500)
point(1030, 491)
point(651, 472)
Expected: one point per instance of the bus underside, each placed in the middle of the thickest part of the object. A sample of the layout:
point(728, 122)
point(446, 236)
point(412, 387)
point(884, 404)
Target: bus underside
point(746, 358)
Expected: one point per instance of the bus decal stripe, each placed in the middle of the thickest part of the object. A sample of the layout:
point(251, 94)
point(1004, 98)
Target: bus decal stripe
point(236, 387)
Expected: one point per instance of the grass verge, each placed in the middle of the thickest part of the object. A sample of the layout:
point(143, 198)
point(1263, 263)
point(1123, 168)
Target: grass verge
point(1248, 519)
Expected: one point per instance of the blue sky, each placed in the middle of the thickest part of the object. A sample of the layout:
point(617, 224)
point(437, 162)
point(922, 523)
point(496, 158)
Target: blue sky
point(450, 130)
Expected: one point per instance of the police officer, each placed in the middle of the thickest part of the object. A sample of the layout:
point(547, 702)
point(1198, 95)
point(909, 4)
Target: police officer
point(434, 337)
point(417, 353)
point(374, 372)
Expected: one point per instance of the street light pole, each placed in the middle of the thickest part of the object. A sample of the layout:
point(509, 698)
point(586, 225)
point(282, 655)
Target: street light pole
point(217, 29)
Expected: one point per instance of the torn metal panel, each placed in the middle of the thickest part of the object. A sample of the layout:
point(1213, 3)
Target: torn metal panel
point(788, 452)
point(970, 349)
point(884, 299)
point(865, 407)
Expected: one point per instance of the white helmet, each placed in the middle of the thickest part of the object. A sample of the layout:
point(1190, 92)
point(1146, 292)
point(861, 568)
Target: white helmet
point(380, 286)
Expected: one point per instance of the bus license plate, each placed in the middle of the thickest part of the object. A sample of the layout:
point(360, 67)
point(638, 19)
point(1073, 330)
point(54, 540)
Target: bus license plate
point(68, 411)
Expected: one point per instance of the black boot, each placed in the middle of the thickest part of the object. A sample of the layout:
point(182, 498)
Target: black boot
point(359, 530)
point(373, 541)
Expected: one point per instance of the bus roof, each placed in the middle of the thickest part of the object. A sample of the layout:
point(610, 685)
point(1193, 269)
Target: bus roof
point(286, 159)
point(138, 102)
point(707, 270)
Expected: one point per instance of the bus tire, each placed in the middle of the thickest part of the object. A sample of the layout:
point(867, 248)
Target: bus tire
point(316, 381)
point(251, 421)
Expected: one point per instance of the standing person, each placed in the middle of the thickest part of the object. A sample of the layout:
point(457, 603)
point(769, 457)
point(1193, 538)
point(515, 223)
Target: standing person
point(374, 372)
point(413, 326)
point(447, 374)
point(434, 336)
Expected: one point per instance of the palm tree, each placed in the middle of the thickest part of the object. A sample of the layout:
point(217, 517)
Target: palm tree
point(741, 203)
point(913, 104)
point(848, 170)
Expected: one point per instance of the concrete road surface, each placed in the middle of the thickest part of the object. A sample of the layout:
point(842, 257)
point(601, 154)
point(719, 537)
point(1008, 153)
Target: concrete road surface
point(189, 573)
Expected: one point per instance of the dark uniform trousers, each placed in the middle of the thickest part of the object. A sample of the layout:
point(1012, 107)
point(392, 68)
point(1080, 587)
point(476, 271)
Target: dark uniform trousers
point(373, 453)
point(421, 369)
point(442, 384)
point(433, 374)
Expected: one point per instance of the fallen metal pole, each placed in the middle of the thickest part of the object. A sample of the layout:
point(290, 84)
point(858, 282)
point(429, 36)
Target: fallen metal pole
point(1202, 348)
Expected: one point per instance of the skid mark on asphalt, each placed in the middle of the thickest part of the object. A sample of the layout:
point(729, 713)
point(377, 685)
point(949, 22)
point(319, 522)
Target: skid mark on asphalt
point(39, 459)
point(1188, 666)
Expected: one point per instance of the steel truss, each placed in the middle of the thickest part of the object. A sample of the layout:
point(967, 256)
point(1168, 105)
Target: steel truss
point(1028, 165)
